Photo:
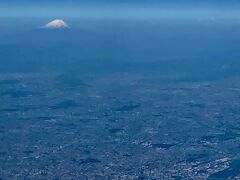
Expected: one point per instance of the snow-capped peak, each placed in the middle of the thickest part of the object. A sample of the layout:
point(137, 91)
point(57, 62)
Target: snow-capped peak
point(55, 24)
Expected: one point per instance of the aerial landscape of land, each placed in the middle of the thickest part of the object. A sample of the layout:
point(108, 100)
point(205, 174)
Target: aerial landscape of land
point(118, 125)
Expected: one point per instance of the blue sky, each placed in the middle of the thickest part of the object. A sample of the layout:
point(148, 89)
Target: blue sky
point(120, 8)
point(110, 2)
